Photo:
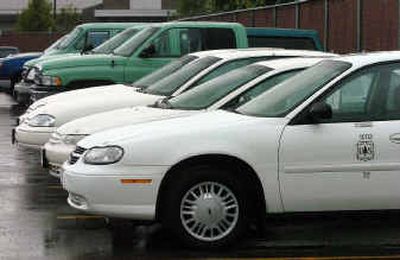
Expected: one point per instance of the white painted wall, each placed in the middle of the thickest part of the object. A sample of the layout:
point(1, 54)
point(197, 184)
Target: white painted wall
point(145, 4)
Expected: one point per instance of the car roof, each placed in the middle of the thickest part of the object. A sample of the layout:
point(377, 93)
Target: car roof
point(363, 59)
point(289, 63)
point(200, 23)
point(107, 25)
point(255, 52)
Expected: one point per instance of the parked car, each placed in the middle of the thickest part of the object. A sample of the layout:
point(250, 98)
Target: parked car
point(6, 51)
point(228, 91)
point(157, 46)
point(83, 38)
point(327, 139)
point(105, 48)
point(38, 124)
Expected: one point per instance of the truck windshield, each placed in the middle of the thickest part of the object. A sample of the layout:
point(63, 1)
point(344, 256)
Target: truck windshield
point(129, 47)
point(71, 37)
point(280, 100)
point(56, 44)
point(210, 92)
point(113, 43)
point(164, 72)
point(170, 84)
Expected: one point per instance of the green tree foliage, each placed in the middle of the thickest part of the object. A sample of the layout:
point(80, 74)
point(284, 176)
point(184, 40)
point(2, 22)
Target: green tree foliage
point(37, 17)
point(67, 19)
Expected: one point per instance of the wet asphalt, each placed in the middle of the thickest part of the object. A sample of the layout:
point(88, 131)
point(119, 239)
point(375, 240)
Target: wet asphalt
point(36, 222)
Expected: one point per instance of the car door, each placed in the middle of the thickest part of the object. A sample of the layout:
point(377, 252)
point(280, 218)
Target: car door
point(349, 161)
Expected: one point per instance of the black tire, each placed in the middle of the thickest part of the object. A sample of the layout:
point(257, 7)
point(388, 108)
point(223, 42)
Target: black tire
point(188, 179)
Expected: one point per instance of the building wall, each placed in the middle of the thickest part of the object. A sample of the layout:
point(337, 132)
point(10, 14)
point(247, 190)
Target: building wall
point(116, 4)
point(343, 25)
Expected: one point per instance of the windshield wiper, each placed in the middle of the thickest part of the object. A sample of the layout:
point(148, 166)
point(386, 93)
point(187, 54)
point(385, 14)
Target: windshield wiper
point(162, 103)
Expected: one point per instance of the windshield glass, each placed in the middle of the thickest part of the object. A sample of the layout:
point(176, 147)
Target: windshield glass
point(113, 43)
point(280, 100)
point(69, 39)
point(129, 47)
point(170, 84)
point(164, 71)
point(55, 44)
point(210, 92)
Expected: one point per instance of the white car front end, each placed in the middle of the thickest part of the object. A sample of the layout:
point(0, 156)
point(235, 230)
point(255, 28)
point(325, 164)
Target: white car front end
point(64, 140)
point(34, 131)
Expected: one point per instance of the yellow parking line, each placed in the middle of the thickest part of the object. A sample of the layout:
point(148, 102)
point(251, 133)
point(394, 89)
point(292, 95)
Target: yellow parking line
point(54, 187)
point(80, 217)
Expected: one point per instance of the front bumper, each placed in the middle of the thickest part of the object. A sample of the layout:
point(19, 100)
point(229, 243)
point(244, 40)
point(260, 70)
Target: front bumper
point(55, 154)
point(39, 92)
point(99, 189)
point(22, 92)
point(32, 137)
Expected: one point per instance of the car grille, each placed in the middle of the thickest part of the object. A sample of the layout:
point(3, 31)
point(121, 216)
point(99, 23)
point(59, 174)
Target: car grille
point(76, 154)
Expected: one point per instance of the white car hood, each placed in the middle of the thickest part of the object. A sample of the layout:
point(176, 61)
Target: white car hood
point(117, 118)
point(202, 122)
point(82, 103)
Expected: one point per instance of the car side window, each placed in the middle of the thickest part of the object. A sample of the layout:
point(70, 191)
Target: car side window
point(368, 95)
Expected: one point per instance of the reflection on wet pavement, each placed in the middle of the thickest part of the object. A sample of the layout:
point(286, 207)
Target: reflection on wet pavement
point(36, 221)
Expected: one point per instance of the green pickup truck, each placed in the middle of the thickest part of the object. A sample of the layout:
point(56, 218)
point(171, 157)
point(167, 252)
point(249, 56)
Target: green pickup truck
point(151, 48)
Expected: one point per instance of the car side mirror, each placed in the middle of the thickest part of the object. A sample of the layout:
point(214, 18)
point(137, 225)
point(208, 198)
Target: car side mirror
point(148, 52)
point(87, 48)
point(320, 110)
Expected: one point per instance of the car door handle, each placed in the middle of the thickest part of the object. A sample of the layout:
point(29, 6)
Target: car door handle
point(395, 138)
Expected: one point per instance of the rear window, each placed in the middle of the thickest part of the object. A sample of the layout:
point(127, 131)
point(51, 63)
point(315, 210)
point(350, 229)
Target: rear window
point(282, 42)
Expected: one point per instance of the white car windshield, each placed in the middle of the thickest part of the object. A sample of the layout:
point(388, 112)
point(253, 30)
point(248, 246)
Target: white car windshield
point(170, 84)
point(280, 100)
point(163, 72)
point(210, 92)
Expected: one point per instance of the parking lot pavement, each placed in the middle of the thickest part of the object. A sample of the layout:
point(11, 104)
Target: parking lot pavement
point(35, 221)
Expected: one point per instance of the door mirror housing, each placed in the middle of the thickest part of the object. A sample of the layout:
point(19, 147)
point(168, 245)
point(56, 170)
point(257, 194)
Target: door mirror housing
point(148, 52)
point(320, 110)
point(87, 48)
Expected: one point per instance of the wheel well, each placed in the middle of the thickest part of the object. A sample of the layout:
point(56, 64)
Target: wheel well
point(240, 169)
point(88, 83)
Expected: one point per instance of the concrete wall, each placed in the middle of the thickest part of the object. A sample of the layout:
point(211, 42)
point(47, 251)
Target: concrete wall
point(344, 25)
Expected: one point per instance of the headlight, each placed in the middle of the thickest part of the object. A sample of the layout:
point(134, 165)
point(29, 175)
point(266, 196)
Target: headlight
point(103, 155)
point(48, 81)
point(72, 139)
point(42, 120)
point(31, 74)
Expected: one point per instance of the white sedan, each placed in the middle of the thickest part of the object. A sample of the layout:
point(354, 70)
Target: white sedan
point(37, 126)
point(228, 92)
point(327, 139)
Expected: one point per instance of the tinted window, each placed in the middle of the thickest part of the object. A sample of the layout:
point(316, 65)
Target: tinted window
point(164, 71)
point(116, 41)
point(282, 99)
point(210, 92)
point(173, 82)
point(180, 41)
point(95, 38)
point(129, 47)
point(282, 42)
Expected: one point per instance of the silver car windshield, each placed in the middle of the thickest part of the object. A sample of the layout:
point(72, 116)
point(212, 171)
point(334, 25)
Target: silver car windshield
point(280, 100)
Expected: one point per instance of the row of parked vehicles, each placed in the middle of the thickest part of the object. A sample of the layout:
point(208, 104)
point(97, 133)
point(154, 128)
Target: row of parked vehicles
point(212, 142)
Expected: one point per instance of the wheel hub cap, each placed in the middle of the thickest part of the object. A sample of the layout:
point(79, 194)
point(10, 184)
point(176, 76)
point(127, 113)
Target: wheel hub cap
point(209, 211)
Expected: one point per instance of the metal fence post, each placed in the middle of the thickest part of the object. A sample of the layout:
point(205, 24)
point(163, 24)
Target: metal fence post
point(297, 15)
point(326, 25)
point(275, 16)
point(359, 26)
